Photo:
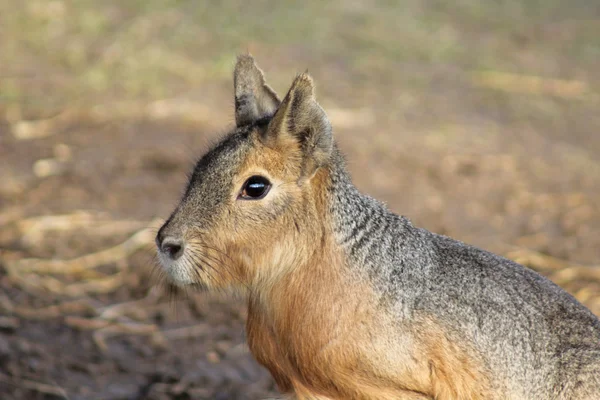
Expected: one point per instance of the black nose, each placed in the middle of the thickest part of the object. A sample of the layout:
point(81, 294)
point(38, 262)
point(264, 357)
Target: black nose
point(171, 247)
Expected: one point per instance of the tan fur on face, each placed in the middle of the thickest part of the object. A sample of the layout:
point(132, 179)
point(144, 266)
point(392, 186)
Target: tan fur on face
point(244, 249)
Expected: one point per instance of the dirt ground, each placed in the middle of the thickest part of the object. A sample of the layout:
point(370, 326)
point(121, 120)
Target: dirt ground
point(478, 121)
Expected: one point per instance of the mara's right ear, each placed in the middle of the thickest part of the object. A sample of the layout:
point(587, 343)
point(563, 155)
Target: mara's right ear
point(254, 99)
point(300, 127)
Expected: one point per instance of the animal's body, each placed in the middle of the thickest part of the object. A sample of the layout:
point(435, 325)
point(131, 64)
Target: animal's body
point(347, 300)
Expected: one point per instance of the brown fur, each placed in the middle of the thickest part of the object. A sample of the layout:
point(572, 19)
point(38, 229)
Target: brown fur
point(455, 373)
point(318, 353)
point(317, 325)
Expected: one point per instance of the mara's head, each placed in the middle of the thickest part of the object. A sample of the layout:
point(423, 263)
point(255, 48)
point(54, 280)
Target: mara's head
point(254, 205)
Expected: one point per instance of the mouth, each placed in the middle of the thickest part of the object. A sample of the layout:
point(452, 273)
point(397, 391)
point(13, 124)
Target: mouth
point(180, 272)
point(196, 267)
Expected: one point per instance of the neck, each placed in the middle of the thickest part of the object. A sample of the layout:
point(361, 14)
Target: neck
point(295, 326)
point(354, 234)
point(365, 230)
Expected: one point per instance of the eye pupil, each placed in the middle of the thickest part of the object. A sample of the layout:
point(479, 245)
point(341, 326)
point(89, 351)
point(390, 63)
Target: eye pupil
point(256, 187)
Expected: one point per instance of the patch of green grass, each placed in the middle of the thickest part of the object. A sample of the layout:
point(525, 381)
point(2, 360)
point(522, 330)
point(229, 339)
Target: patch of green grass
point(156, 48)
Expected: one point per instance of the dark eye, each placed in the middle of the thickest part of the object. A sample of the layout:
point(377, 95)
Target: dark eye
point(256, 187)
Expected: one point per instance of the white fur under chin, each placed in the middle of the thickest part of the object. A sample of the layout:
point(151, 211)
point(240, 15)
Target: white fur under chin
point(178, 271)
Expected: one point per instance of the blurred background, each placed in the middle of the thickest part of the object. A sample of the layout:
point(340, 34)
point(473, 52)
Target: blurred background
point(479, 120)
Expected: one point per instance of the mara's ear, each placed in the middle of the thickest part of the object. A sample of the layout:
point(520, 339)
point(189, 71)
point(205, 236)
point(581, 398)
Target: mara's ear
point(254, 99)
point(301, 126)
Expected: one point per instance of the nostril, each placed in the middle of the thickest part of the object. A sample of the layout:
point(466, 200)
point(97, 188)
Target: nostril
point(172, 247)
point(159, 239)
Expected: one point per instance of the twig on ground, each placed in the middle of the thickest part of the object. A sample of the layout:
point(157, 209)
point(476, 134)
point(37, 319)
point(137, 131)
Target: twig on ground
point(186, 332)
point(79, 306)
point(137, 241)
point(33, 385)
point(95, 286)
point(138, 308)
point(105, 329)
point(34, 129)
point(34, 229)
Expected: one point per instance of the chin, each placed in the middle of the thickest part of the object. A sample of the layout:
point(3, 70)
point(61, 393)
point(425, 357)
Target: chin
point(178, 272)
point(179, 278)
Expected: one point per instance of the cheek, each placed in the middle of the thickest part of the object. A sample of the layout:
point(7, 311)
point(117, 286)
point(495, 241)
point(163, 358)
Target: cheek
point(255, 225)
point(260, 214)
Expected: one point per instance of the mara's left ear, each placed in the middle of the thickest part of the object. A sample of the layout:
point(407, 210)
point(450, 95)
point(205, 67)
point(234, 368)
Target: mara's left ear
point(301, 128)
point(254, 99)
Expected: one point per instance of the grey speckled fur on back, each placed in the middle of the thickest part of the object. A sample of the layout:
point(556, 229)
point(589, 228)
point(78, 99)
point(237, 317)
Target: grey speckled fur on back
point(536, 338)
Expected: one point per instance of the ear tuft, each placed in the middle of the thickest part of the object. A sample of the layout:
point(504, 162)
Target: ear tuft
point(303, 85)
point(254, 99)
